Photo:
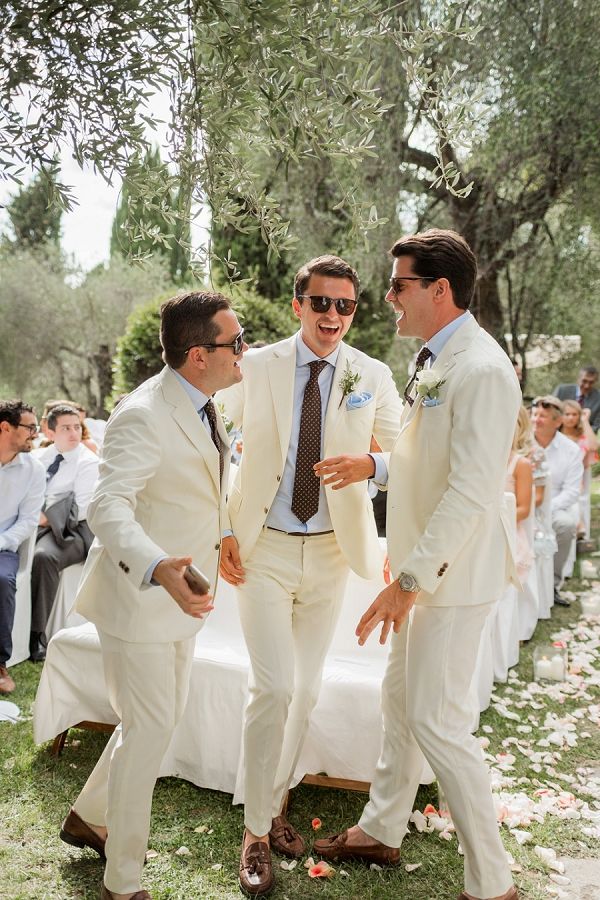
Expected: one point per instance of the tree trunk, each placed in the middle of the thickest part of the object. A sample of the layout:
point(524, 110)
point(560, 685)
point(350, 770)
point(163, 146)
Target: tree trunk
point(487, 309)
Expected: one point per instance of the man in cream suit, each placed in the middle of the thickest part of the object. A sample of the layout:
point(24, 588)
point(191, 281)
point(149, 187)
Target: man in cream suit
point(295, 534)
point(450, 555)
point(158, 506)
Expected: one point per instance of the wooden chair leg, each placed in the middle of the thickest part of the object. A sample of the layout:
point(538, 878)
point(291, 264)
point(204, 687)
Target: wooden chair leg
point(58, 743)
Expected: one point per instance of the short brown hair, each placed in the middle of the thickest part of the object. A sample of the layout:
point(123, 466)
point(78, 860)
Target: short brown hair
point(440, 253)
point(60, 409)
point(188, 321)
point(325, 265)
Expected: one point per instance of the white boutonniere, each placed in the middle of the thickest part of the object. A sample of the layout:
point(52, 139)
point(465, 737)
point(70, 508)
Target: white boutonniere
point(428, 386)
point(348, 382)
point(226, 420)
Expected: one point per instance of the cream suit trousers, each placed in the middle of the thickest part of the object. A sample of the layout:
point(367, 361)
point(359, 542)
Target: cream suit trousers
point(147, 687)
point(289, 606)
point(425, 705)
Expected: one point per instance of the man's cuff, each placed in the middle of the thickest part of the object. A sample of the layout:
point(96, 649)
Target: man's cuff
point(227, 533)
point(381, 469)
point(148, 579)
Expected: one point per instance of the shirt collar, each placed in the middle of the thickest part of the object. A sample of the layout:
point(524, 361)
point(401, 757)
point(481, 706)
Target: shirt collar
point(15, 461)
point(304, 354)
point(196, 396)
point(439, 340)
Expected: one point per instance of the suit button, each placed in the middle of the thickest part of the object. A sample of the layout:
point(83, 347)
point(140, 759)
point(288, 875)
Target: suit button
point(266, 510)
point(279, 478)
point(217, 546)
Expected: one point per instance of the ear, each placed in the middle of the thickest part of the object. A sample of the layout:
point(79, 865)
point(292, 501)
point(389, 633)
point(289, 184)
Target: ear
point(197, 356)
point(296, 306)
point(442, 291)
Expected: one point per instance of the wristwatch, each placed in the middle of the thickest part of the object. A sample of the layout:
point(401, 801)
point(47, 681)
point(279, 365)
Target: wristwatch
point(408, 583)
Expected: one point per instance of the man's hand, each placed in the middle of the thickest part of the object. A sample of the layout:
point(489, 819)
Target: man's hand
point(231, 568)
point(169, 574)
point(391, 607)
point(340, 471)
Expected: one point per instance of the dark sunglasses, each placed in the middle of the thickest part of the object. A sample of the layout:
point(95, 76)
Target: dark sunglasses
point(396, 283)
point(236, 345)
point(343, 305)
point(546, 404)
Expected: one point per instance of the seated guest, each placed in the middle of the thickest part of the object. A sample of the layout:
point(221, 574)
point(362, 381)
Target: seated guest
point(86, 438)
point(563, 459)
point(585, 392)
point(22, 493)
point(64, 537)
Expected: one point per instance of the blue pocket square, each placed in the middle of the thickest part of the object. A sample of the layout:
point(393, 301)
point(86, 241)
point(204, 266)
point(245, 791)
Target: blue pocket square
point(356, 401)
point(433, 401)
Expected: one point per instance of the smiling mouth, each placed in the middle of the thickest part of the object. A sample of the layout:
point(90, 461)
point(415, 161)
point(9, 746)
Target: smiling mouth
point(329, 329)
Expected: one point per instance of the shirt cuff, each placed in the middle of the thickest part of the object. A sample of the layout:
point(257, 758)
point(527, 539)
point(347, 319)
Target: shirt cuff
point(227, 533)
point(148, 579)
point(381, 469)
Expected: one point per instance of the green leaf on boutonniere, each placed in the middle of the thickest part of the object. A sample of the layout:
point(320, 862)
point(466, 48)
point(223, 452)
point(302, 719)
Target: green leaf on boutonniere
point(348, 381)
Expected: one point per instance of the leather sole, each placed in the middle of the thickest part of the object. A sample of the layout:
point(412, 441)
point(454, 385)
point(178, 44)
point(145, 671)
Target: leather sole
point(261, 893)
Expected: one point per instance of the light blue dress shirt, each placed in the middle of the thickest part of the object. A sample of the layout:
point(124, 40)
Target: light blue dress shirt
point(439, 340)
point(280, 515)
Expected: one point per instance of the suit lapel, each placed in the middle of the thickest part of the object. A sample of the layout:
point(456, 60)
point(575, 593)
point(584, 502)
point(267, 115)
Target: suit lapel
point(189, 421)
point(282, 373)
point(336, 407)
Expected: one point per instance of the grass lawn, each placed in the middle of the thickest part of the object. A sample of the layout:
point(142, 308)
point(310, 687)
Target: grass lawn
point(36, 791)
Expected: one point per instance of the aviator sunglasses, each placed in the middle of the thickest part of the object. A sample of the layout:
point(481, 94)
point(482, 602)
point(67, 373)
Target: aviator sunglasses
point(343, 305)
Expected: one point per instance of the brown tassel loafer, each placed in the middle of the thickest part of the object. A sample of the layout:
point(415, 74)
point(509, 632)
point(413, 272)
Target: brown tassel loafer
point(256, 870)
point(336, 847)
point(77, 833)
point(284, 838)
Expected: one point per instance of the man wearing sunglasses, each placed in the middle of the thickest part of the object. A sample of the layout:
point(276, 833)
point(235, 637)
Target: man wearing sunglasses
point(296, 534)
point(22, 484)
point(158, 507)
point(449, 544)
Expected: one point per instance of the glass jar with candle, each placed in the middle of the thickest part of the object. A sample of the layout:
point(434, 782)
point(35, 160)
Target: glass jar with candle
point(550, 662)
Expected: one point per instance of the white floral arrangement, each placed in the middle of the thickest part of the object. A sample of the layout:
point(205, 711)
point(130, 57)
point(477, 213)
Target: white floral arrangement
point(428, 386)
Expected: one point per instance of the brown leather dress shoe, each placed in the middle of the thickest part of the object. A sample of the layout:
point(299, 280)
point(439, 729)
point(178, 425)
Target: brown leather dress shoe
point(336, 847)
point(78, 833)
point(108, 895)
point(256, 870)
point(512, 895)
point(7, 685)
point(284, 838)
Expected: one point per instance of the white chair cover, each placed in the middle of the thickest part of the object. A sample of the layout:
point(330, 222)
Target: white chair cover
point(22, 622)
point(528, 598)
point(62, 614)
point(505, 624)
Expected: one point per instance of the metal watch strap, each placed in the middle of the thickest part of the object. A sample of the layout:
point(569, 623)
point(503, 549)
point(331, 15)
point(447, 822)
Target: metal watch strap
point(408, 583)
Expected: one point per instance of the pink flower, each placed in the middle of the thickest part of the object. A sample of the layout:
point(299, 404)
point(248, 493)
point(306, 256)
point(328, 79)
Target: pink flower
point(430, 810)
point(321, 870)
point(316, 824)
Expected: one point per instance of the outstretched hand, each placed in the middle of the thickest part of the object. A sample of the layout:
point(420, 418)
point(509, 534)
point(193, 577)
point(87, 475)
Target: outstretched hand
point(169, 574)
point(390, 607)
point(340, 471)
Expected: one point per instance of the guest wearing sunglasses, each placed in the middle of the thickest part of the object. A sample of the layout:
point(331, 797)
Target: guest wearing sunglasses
point(22, 483)
point(296, 535)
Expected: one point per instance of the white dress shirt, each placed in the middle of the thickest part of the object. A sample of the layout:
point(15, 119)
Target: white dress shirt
point(78, 472)
point(563, 458)
point(22, 486)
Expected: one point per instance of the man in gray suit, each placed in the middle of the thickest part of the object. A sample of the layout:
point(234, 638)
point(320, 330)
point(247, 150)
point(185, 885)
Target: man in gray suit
point(585, 392)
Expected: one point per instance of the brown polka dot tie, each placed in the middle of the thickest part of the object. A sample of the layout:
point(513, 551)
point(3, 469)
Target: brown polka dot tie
point(211, 415)
point(305, 498)
point(422, 357)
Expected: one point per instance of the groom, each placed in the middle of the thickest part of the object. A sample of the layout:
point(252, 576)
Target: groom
point(295, 535)
point(450, 555)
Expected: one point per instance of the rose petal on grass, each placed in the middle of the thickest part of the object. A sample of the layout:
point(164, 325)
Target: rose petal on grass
point(288, 865)
point(151, 854)
point(216, 867)
point(321, 870)
point(344, 873)
point(560, 879)
point(430, 810)
point(201, 829)
point(183, 851)
point(412, 867)
point(316, 824)
point(309, 863)
point(375, 867)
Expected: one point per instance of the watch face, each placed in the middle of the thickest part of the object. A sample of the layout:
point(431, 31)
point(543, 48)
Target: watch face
point(408, 582)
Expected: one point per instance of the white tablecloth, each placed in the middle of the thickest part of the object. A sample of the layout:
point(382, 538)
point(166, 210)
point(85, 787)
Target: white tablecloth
point(344, 734)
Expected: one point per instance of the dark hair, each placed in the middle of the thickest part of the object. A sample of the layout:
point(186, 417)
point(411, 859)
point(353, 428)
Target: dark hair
point(12, 410)
point(589, 370)
point(439, 253)
point(60, 410)
point(325, 265)
point(187, 321)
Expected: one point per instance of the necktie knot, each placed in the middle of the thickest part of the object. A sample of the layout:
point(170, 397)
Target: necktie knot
point(316, 367)
point(53, 467)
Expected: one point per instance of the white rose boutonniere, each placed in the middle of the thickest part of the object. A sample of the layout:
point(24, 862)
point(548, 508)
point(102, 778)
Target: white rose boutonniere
point(226, 420)
point(348, 382)
point(428, 386)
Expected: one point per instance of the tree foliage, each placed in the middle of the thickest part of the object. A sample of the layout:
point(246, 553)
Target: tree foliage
point(35, 220)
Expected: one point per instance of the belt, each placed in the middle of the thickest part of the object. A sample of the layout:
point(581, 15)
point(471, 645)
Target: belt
point(300, 533)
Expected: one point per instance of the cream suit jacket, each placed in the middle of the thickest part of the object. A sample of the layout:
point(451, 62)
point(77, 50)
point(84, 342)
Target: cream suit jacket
point(447, 524)
point(158, 493)
point(261, 405)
